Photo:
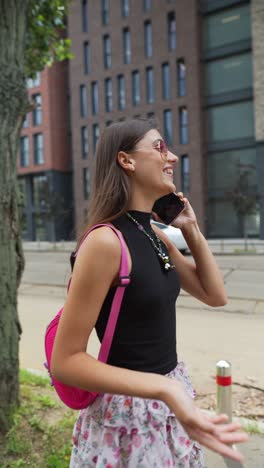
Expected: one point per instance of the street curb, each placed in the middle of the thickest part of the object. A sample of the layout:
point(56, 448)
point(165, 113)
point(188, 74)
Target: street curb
point(246, 423)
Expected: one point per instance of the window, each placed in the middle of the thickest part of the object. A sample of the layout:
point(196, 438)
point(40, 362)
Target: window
point(108, 95)
point(86, 183)
point(181, 77)
point(168, 132)
point(148, 38)
point(95, 97)
point(86, 58)
point(147, 5)
point(227, 27)
point(105, 12)
point(121, 92)
point(150, 85)
point(83, 101)
point(127, 45)
point(183, 121)
point(38, 148)
point(37, 111)
point(228, 74)
point(40, 191)
point(24, 151)
point(135, 88)
point(185, 173)
point(171, 31)
point(230, 122)
point(84, 142)
point(125, 8)
point(107, 51)
point(84, 13)
point(166, 81)
point(25, 121)
point(33, 82)
point(96, 134)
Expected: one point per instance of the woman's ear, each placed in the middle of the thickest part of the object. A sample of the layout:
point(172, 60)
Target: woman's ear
point(126, 162)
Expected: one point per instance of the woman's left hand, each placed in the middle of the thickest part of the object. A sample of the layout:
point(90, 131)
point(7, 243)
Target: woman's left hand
point(187, 215)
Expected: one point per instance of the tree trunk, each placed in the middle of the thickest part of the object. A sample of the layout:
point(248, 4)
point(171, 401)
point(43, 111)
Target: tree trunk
point(13, 105)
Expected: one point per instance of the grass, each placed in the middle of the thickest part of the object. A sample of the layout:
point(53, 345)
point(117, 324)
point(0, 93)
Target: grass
point(42, 428)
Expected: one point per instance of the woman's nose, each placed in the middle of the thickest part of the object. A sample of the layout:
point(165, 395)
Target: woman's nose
point(172, 157)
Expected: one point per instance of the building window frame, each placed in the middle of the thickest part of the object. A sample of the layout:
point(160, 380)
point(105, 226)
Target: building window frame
point(136, 95)
point(127, 53)
point(83, 101)
point(38, 148)
point(86, 57)
point(185, 173)
point(125, 8)
point(105, 10)
point(148, 38)
point(84, 15)
point(168, 126)
point(147, 4)
point(94, 97)
point(171, 25)
point(24, 151)
point(96, 135)
point(183, 125)
point(166, 81)
point(121, 92)
point(150, 85)
point(86, 183)
point(181, 77)
point(84, 142)
point(107, 51)
point(37, 111)
point(108, 95)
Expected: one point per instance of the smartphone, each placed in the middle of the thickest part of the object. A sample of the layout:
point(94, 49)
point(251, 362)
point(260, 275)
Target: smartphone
point(168, 207)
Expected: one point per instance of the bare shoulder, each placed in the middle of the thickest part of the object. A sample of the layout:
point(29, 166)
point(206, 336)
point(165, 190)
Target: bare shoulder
point(100, 248)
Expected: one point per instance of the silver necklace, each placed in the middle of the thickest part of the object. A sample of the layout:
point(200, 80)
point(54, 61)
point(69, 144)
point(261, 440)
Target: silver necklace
point(165, 259)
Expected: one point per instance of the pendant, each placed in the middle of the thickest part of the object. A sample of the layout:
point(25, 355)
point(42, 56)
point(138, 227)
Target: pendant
point(165, 261)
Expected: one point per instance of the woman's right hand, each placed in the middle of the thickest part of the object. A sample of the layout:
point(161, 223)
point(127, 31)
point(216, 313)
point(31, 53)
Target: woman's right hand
point(214, 433)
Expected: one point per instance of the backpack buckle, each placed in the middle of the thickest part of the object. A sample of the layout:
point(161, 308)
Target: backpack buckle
point(124, 281)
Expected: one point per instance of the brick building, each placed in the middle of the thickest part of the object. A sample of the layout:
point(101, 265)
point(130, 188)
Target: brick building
point(44, 162)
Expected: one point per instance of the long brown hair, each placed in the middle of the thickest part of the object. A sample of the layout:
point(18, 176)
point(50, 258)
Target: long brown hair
point(110, 187)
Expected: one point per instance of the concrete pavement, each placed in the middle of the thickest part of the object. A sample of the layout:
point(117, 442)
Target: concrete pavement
point(204, 334)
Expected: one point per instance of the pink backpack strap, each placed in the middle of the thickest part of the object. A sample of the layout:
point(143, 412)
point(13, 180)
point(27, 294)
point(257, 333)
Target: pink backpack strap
point(124, 280)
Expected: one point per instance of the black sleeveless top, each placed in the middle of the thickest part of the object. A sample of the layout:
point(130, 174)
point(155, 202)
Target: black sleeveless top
point(145, 335)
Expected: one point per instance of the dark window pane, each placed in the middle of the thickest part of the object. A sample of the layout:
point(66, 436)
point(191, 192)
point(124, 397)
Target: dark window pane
point(105, 12)
point(121, 92)
point(86, 58)
point(107, 51)
point(166, 81)
point(150, 85)
point(136, 88)
point(183, 121)
point(125, 8)
point(83, 101)
point(24, 151)
point(168, 127)
point(148, 38)
point(96, 134)
point(228, 74)
point(226, 27)
point(147, 4)
point(181, 77)
point(171, 31)
point(84, 142)
point(95, 97)
point(127, 45)
point(84, 13)
point(185, 173)
point(230, 122)
point(40, 192)
point(108, 95)
point(38, 148)
point(86, 183)
point(37, 111)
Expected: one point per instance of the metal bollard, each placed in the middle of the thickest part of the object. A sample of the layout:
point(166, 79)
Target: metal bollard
point(224, 399)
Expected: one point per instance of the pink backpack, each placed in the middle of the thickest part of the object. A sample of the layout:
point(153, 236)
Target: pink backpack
point(74, 397)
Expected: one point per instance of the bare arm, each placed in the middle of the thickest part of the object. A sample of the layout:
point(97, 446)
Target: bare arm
point(95, 270)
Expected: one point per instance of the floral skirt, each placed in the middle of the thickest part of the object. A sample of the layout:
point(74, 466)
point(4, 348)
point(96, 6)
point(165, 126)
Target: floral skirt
point(117, 431)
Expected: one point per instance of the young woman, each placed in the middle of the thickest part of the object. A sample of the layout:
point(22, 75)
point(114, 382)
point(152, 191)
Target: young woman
point(145, 415)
